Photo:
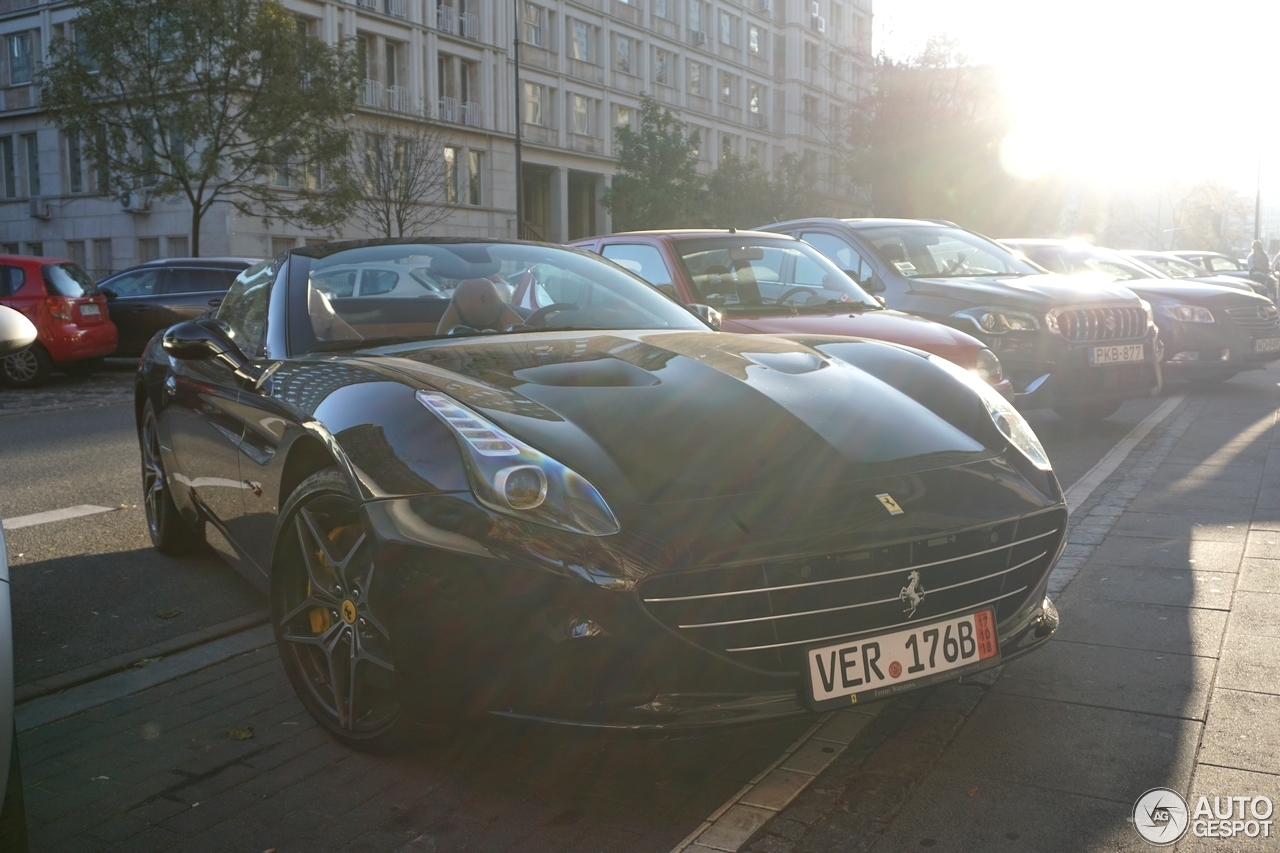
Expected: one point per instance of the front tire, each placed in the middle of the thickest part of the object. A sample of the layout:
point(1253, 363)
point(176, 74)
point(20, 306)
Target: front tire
point(27, 369)
point(328, 607)
point(170, 533)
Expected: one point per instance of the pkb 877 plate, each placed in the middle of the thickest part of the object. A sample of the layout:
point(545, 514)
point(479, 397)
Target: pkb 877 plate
point(877, 667)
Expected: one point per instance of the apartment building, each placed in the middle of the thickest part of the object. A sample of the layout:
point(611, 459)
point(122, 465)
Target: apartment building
point(756, 78)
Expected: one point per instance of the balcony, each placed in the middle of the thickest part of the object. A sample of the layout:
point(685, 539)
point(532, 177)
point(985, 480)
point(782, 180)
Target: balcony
point(371, 5)
point(470, 26)
point(470, 115)
point(447, 109)
point(399, 8)
point(372, 94)
point(398, 99)
point(446, 20)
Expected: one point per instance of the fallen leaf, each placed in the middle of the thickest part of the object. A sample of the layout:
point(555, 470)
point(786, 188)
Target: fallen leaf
point(169, 614)
point(241, 734)
point(146, 662)
point(100, 779)
point(973, 791)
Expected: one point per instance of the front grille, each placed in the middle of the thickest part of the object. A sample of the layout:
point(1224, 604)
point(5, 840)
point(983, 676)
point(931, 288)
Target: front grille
point(1081, 325)
point(765, 615)
point(1255, 318)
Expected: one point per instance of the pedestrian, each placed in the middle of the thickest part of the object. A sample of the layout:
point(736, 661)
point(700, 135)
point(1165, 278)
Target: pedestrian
point(1259, 263)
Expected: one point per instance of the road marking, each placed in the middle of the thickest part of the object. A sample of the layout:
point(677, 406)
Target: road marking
point(1084, 487)
point(53, 515)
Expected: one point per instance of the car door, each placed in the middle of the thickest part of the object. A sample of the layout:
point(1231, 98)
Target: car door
point(845, 255)
point(193, 291)
point(133, 301)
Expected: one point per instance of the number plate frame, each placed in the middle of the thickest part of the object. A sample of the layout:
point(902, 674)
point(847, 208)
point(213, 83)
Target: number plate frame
point(90, 310)
point(1118, 354)
point(982, 622)
point(1266, 344)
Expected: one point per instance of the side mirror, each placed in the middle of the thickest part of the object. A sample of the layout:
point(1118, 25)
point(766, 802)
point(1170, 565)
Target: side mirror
point(107, 292)
point(205, 339)
point(872, 285)
point(709, 315)
point(880, 299)
point(16, 332)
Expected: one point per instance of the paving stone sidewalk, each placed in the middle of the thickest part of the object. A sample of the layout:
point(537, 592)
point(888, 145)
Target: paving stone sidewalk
point(1165, 673)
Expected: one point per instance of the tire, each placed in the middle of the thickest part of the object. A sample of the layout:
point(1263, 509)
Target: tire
point(84, 368)
point(169, 531)
point(27, 369)
point(329, 615)
point(1088, 413)
point(13, 814)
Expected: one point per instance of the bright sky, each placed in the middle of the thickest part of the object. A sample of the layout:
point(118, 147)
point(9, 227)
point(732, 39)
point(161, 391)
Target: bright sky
point(1120, 90)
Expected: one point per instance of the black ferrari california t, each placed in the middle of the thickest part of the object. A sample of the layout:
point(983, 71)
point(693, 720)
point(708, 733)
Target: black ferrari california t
point(602, 512)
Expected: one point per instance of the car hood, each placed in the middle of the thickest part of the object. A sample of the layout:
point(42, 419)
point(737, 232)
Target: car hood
point(1190, 291)
point(1228, 281)
point(884, 325)
point(1030, 291)
point(660, 417)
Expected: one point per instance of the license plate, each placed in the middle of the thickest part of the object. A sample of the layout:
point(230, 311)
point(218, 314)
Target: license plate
point(1117, 355)
point(875, 667)
point(89, 311)
point(1266, 345)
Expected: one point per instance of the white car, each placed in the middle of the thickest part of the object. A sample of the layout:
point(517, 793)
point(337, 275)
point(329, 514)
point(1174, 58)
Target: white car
point(377, 280)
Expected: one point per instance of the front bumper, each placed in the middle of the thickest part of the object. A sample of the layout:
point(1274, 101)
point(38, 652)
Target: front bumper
point(1205, 350)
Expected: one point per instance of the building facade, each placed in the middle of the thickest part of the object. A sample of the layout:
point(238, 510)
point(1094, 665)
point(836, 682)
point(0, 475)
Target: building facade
point(756, 78)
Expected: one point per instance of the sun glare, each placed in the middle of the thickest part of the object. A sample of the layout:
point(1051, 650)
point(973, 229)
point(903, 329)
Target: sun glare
point(1117, 92)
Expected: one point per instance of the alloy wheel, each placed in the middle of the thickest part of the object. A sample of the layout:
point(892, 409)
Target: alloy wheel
point(330, 627)
point(22, 367)
point(152, 476)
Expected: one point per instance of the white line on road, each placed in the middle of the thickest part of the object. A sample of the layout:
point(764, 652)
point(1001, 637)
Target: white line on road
point(1084, 487)
point(53, 515)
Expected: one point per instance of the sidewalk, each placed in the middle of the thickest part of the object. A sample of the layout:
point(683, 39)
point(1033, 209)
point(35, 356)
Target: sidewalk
point(1165, 673)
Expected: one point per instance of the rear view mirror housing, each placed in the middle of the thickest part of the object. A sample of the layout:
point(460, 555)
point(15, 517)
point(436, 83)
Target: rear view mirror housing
point(16, 332)
point(202, 340)
point(746, 253)
point(708, 315)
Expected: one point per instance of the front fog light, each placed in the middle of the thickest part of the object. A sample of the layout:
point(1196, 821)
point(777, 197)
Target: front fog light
point(523, 487)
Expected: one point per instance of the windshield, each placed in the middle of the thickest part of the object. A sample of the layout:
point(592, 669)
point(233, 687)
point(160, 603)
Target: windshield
point(1082, 259)
point(68, 279)
point(738, 273)
point(939, 251)
point(1171, 266)
point(378, 294)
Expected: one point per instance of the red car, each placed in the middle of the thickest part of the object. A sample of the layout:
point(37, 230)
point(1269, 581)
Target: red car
point(777, 285)
point(73, 331)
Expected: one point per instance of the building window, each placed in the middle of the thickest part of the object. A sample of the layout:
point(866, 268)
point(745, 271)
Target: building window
point(697, 79)
point(581, 114)
point(726, 146)
point(103, 261)
point(32, 150)
point(726, 87)
point(695, 16)
point(533, 18)
point(19, 58)
point(753, 97)
point(755, 40)
point(810, 56)
point(34, 249)
point(580, 44)
point(660, 8)
point(176, 247)
point(148, 249)
point(9, 166)
point(754, 149)
point(280, 245)
point(728, 24)
point(474, 161)
point(622, 118)
point(622, 60)
point(75, 252)
point(451, 174)
point(533, 103)
point(662, 67)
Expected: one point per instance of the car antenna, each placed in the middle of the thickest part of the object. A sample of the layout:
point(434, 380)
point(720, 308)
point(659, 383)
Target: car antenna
point(733, 230)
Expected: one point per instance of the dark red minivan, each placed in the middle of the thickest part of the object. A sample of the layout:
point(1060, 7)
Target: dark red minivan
point(73, 331)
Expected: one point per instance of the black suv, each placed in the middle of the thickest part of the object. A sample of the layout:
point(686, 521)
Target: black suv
point(1079, 350)
point(144, 299)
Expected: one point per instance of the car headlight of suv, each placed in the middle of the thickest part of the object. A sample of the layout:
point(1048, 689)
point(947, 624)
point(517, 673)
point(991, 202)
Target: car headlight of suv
point(511, 477)
point(997, 321)
point(987, 367)
point(1007, 419)
point(1185, 313)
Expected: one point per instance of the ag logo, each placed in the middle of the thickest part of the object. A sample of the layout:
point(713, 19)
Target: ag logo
point(887, 501)
point(1160, 816)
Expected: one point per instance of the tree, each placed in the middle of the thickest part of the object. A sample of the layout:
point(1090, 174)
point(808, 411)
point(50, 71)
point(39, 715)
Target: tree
point(657, 184)
point(220, 100)
point(741, 194)
point(402, 178)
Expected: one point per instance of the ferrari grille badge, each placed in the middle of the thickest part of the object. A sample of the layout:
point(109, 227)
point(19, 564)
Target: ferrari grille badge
point(912, 594)
point(349, 611)
point(889, 503)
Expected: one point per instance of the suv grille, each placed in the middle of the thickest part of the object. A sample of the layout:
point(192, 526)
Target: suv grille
point(1255, 318)
point(1102, 324)
point(765, 615)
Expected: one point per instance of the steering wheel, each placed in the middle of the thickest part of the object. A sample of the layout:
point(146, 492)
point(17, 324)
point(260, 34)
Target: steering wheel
point(797, 289)
point(541, 313)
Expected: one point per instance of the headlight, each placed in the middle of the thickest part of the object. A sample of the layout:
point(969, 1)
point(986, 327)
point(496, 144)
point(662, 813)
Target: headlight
point(1151, 317)
point(996, 321)
point(511, 477)
point(987, 368)
point(1185, 313)
point(1006, 418)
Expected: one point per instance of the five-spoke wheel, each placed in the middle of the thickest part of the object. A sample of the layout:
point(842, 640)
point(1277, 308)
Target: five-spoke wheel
point(170, 533)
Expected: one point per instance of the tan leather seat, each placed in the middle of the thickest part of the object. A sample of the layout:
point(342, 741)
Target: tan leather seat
point(477, 303)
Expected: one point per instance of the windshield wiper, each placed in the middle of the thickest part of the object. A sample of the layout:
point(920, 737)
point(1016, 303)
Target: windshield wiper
point(831, 306)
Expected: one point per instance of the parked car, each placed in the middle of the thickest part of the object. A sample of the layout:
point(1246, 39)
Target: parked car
point(398, 282)
point(600, 512)
point(1081, 351)
point(1210, 333)
point(764, 283)
point(153, 296)
point(73, 331)
point(1177, 268)
point(16, 334)
point(1217, 263)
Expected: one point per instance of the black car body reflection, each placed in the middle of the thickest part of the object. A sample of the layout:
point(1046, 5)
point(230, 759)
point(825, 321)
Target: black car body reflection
point(686, 511)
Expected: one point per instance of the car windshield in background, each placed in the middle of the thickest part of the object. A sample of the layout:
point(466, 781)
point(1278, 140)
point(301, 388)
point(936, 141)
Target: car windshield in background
point(1171, 266)
point(368, 295)
point(1086, 260)
point(742, 274)
point(919, 251)
point(68, 280)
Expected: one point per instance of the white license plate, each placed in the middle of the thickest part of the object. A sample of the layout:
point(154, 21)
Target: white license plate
point(875, 667)
point(1266, 345)
point(1117, 355)
point(89, 311)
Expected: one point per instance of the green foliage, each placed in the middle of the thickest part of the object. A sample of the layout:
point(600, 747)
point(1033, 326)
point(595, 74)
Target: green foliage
point(657, 184)
point(219, 100)
point(741, 194)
